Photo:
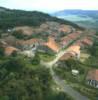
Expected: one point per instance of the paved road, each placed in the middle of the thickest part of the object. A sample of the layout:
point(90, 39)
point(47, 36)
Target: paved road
point(58, 56)
point(64, 87)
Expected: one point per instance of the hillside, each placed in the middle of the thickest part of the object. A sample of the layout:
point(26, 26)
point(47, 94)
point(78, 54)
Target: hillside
point(11, 18)
point(85, 18)
point(38, 54)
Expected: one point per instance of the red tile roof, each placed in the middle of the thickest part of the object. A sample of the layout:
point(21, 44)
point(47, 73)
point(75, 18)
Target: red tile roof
point(87, 41)
point(84, 42)
point(92, 75)
point(64, 28)
point(52, 44)
point(72, 51)
point(28, 42)
point(9, 50)
point(66, 56)
point(74, 48)
point(65, 40)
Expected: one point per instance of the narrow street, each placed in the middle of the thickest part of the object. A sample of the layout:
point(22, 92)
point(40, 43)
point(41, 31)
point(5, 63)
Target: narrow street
point(62, 85)
point(67, 88)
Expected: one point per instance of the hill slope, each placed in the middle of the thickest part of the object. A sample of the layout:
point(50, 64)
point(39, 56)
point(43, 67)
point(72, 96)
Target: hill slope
point(11, 18)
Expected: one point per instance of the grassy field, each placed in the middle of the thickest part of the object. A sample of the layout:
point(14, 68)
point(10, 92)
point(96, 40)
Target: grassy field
point(46, 57)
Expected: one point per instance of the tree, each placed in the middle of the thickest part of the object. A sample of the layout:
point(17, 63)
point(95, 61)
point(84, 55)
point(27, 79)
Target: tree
point(35, 60)
point(14, 64)
point(19, 34)
point(1, 51)
point(63, 96)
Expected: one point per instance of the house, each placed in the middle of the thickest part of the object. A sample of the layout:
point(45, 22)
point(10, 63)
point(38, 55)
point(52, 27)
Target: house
point(28, 47)
point(75, 72)
point(44, 26)
point(52, 44)
point(92, 78)
point(11, 40)
point(45, 49)
point(87, 41)
point(9, 50)
point(53, 25)
point(66, 56)
point(28, 44)
point(26, 30)
point(27, 53)
point(65, 28)
point(74, 50)
point(79, 43)
point(67, 39)
point(3, 35)
point(9, 30)
point(71, 52)
point(3, 43)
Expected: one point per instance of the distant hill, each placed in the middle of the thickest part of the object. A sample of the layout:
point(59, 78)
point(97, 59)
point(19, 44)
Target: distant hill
point(85, 18)
point(11, 18)
point(77, 12)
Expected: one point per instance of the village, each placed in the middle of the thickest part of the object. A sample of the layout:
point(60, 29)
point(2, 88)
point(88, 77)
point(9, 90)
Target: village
point(48, 41)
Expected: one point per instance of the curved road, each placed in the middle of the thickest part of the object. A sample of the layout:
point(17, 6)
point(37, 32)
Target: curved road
point(64, 87)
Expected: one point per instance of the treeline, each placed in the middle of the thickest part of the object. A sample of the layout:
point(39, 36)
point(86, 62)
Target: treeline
point(12, 18)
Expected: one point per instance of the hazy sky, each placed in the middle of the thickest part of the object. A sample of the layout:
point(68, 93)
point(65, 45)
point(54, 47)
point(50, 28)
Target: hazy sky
point(50, 5)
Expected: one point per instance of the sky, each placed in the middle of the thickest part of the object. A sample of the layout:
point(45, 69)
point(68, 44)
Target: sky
point(50, 5)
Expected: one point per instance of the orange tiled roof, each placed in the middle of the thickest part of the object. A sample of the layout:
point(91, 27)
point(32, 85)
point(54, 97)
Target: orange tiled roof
point(78, 43)
point(87, 41)
point(52, 44)
point(66, 56)
point(74, 48)
point(28, 42)
point(72, 35)
point(9, 50)
point(65, 40)
point(93, 74)
point(64, 28)
point(72, 51)
point(84, 41)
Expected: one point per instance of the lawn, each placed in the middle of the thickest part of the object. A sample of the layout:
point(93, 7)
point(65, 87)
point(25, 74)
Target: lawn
point(84, 56)
point(87, 91)
point(78, 82)
point(46, 57)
